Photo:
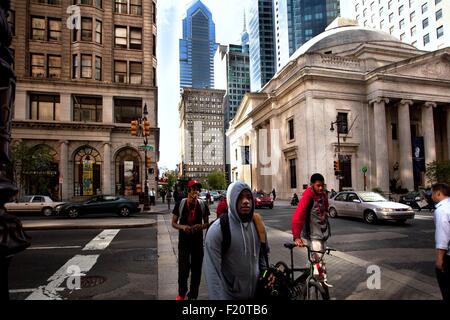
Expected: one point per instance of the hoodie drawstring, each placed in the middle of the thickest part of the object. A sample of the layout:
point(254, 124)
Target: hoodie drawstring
point(243, 237)
point(254, 243)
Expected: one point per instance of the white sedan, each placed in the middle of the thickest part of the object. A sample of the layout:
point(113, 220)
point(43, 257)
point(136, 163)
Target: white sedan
point(370, 206)
point(28, 204)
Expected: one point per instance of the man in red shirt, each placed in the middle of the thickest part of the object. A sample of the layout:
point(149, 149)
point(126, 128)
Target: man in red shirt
point(190, 217)
point(310, 220)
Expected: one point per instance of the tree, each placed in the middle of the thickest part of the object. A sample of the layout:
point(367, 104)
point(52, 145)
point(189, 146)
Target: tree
point(171, 179)
point(217, 180)
point(438, 172)
point(35, 162)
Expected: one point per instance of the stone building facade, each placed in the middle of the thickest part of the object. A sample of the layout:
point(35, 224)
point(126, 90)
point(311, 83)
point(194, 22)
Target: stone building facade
point(391, 100)
point(79, 88)
point(201, 132)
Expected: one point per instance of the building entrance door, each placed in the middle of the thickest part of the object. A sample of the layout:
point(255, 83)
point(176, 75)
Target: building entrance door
point(345, 180)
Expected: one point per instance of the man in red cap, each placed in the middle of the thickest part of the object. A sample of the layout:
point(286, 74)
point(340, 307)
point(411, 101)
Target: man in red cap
point(190, 217)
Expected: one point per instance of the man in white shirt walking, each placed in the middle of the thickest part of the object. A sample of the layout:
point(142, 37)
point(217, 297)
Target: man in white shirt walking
point(441, 195)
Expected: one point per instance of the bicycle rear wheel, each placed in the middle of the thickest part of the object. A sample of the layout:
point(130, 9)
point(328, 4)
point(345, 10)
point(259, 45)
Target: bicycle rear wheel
point(318, 291)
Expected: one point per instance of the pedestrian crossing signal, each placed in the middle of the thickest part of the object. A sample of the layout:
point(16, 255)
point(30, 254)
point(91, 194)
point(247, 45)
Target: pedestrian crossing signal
point(134, 128)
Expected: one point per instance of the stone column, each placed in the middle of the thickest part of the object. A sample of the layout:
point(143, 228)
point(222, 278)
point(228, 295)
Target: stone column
point(381, 149)
point(108, 109)
point(404, 134)
point(64, 169)
point(428, 131)
point(448, 132)
point(65, 113)
point(107, 176)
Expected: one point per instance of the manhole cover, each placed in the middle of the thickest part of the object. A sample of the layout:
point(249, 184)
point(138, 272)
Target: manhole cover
point(92, 281)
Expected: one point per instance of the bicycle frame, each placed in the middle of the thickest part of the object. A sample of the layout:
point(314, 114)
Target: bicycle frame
point(291, 247)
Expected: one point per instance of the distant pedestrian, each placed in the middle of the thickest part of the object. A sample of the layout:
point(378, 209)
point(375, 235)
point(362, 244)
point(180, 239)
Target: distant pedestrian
point(190, 217)
point(222, 207)
point(208, 198)
point(441, 196)
point(169, 198)
point(274, 194)
point(152, 195)
point(162, 193)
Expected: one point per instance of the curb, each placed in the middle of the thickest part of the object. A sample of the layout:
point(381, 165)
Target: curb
point(91, 225)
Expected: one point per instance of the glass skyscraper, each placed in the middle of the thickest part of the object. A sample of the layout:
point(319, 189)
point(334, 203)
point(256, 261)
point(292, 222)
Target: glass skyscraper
point(262, 43)
point(298, 21)
point(197, 48)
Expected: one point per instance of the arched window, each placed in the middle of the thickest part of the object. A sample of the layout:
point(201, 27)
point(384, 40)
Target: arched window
point(87, 172)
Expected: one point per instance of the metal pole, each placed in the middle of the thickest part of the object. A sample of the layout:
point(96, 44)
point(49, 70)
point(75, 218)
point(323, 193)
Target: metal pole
point(339, 158)
point(146, 200)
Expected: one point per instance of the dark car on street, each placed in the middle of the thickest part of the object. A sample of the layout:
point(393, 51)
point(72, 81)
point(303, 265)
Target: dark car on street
point(99, 204)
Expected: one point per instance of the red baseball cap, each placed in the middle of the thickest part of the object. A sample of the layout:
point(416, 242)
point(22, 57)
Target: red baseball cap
point(192, 183)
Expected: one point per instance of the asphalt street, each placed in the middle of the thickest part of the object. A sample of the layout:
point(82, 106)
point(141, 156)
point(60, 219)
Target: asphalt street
point(121, 264)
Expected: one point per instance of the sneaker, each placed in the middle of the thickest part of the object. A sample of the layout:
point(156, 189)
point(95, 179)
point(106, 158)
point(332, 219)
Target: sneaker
point(179, 298)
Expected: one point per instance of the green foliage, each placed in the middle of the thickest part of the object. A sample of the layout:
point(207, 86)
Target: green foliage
point(438, 172)
point(172, 179)
point(217, 180)
point(32, 162)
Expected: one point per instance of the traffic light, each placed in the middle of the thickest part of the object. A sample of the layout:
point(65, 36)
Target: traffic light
point(134, 127)
point(148, 161)
point(336, 168)
point(146, 128)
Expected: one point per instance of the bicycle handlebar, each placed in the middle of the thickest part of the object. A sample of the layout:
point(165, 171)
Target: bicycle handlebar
point(292, 245)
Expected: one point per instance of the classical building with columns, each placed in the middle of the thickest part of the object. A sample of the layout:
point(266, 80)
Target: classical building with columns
point(79, 87)
point(389, 102)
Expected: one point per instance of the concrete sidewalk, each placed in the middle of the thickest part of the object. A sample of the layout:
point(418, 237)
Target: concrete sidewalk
point(348, 274)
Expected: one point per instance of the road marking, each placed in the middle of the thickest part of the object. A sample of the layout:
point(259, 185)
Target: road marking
point(52, 248)
point(29, 290)
point(424, 217)
point(102, 241)
point(50, 291)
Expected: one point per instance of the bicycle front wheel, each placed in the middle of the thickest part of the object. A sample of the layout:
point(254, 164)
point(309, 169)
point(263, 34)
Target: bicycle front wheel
point(318, 291)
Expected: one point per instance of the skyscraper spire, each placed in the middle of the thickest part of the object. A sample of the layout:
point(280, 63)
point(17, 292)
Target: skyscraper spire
point(245, 23)
point(244, 35)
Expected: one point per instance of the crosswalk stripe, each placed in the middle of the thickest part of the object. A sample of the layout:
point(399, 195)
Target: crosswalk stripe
point(102, 241)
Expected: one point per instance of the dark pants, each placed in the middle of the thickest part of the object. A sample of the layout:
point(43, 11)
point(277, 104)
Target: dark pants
point(4, 287)
point(190, 258)
point(152, 201)
point(443, 278)
point(163, 198)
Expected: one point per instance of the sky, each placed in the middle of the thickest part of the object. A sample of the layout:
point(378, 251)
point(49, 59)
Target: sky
point(228, 16)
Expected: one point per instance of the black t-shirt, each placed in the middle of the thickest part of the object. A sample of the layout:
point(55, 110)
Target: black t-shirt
point(198, 219)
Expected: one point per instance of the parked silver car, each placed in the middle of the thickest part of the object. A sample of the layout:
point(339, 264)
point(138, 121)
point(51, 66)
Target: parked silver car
point(29, 204)
point(370, 206)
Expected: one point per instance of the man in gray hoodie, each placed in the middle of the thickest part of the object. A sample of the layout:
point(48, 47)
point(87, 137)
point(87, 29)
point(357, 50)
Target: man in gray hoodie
point(234, 275)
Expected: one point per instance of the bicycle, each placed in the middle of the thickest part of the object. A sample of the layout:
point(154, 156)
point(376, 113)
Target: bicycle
point(311, 284)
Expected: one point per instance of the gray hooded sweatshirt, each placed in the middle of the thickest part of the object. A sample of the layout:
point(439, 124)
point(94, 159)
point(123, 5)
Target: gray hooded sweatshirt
point(233, 276)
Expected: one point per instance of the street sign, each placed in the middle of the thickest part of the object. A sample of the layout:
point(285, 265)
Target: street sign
point(364, 169)
point(145, 147)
